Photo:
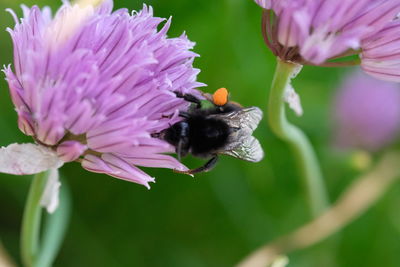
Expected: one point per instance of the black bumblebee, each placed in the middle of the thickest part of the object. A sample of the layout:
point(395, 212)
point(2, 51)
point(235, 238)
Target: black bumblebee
point(224, 128)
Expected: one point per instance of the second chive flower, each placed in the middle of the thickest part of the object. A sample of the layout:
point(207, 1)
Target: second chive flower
point(316, 31)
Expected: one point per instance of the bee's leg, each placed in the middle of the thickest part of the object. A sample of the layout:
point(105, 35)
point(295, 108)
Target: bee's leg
point(190, 98)
point(205, 168)
point(184, 114)
point(156, 135)
point(180, 150)
point(163, 116)
point(182, 146)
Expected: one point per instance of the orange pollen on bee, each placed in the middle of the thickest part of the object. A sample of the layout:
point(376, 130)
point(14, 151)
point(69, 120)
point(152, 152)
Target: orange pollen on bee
point(220, 97)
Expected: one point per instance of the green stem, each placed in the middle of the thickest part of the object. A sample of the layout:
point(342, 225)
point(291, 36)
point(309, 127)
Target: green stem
point(303, 151)
point(42, 254)
point(31, 220)
point(54, 229)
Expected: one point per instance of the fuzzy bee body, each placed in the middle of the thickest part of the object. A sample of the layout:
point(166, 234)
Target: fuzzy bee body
point(221, 129)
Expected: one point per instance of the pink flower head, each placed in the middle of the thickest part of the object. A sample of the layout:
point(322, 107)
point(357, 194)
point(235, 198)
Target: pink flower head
point(367, 112)
point(93, 85)
point(314, 31)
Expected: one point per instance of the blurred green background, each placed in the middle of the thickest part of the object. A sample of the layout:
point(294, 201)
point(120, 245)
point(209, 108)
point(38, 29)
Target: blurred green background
point(216, 218)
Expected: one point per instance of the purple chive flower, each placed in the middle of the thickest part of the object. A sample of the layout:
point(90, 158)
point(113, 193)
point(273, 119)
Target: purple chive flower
point(314, 31)
point(93, 85)
point(366, 112)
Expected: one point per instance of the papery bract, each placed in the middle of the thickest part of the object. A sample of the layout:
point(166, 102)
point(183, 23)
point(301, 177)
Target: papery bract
point(25, 159)
point(51, 191)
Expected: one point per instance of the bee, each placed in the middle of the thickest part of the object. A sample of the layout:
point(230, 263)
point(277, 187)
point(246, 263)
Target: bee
point(224, 127)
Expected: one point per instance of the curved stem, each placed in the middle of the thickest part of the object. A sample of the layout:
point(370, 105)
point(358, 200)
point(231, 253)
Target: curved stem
point(33, 252)
point(303, 151)
point(30, 231)
point(360, 196)
point(54, 229)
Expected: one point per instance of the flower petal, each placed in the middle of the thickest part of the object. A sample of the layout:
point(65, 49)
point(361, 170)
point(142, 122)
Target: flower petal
point(116, 167)
point(70, 150)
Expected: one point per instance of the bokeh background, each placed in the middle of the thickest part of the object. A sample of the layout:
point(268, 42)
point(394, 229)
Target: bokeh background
point(216, 218)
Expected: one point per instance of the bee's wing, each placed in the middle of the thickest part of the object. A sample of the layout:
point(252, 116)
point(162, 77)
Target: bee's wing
point(243, 145)
point(249, 149)
point(246, 119)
